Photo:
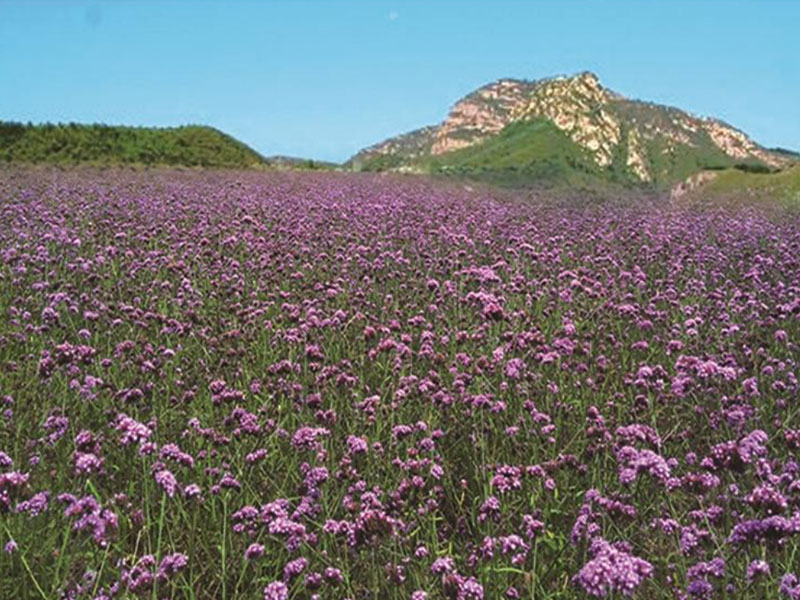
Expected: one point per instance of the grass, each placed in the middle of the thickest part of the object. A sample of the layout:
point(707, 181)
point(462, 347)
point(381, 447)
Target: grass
point(782, 187)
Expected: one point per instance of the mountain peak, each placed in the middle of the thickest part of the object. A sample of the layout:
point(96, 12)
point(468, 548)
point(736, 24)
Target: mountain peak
point(586, 77)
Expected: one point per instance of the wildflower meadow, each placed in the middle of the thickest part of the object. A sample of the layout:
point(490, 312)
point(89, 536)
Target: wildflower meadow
point(223, 385)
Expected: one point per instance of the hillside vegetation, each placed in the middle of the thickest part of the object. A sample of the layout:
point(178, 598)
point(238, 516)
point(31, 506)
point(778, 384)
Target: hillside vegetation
point(189, 145)
point(781, 188)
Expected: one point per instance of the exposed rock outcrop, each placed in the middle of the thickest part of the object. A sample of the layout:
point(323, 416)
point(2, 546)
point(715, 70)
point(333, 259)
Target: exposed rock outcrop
point(692, 183)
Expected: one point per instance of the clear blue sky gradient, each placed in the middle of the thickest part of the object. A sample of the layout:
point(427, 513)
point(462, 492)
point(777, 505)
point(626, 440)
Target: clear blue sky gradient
point(324, 79)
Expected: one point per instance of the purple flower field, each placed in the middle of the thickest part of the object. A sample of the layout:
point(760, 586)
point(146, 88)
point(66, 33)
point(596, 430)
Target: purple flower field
point(248, 385)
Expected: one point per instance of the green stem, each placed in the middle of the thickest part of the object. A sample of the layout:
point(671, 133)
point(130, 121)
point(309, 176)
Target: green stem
point(27, 568)
point(158, 542)
point(224, 530)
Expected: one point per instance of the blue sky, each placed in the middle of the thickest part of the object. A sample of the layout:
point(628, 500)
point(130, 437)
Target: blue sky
point(323, 79)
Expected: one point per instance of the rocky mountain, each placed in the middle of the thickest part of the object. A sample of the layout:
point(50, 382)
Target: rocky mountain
point(570, 125)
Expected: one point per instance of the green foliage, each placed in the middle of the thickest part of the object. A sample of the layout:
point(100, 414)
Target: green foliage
point(191, 145)
point(380, 162)
point(291, 163)
point(753, 168)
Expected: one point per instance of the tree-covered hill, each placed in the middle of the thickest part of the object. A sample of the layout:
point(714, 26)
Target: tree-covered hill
point(190, 145)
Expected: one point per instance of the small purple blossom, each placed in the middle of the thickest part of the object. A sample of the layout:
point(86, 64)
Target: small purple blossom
point(756, 569)
point(612, 570)
point(167, 482)
point(276, 590)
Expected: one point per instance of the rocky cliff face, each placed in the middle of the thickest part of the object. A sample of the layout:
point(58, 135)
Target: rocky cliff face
point(644, 139)
point(736, 144)
point(482, 114)
point(408, 145)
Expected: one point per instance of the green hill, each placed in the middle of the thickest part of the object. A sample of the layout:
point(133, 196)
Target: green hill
point(781, 188)
point(190, 146)
point(568, 130)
